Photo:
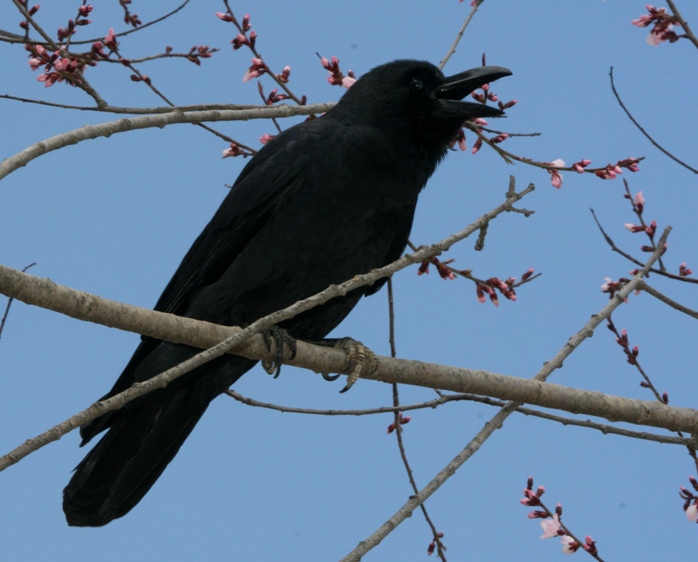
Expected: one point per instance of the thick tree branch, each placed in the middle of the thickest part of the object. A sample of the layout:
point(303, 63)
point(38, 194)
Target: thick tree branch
point(43, 292)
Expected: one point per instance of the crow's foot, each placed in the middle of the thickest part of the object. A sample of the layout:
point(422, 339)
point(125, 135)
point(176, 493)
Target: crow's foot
point(360, 359)
point(279, 337)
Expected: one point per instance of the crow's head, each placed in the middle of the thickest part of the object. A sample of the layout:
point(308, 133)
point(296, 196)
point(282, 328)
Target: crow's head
point(414, 97)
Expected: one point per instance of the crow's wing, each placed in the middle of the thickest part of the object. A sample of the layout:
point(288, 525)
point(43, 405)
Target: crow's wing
point(269, 178)
point(262, 187)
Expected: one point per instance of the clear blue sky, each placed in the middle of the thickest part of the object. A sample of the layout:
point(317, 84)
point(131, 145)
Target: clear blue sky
point(115, 216)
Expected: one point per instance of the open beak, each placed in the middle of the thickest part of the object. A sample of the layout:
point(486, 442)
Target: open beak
point(455, 88)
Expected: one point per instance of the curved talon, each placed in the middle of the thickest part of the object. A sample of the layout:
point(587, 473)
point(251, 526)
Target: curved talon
point(270, 368)
point(280, 337)
point(359, 359)
point(330, 378)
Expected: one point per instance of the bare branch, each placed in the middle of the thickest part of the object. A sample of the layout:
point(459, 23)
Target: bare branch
point(460, 33)
point(87, 132)
point(9, 37)
point(627, 256)
point(655, 143)
point(666, 300)
point(134, 110)
point(449, 398)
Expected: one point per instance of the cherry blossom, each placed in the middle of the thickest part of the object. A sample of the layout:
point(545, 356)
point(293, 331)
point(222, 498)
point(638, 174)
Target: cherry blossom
point(556, 176)
point(550, 526)
point(569, 545)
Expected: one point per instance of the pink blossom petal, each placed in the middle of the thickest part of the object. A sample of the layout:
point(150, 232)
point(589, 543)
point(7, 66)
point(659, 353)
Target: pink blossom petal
point(569, 545)
point(556, 179)
point(550, 526)
point(692, 513)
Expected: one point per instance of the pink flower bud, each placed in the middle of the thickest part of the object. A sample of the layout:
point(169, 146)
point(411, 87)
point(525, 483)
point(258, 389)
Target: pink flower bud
point(556, 179)
point(224, 17)
point(110, 40)
point(258, 68)
point(579, 166)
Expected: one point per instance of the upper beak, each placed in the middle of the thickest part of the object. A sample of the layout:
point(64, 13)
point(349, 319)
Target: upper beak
point(456, 87)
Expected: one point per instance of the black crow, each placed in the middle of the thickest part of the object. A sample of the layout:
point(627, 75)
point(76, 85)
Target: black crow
point(326, 200)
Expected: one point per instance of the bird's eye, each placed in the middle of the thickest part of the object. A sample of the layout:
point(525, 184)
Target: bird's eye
point(416, 84)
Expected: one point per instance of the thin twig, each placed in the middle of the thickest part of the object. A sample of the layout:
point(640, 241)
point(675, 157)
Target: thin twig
point(9, 37)
point(627, 256)
point(460, 33)
point(135, 110)
point(655, 143)
point(83, 84)
point(632, 357)
point(449, 398)
point(283, 85)
point(397, 424)
point(666, 300)
point(649, 231)
point(149, 83)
